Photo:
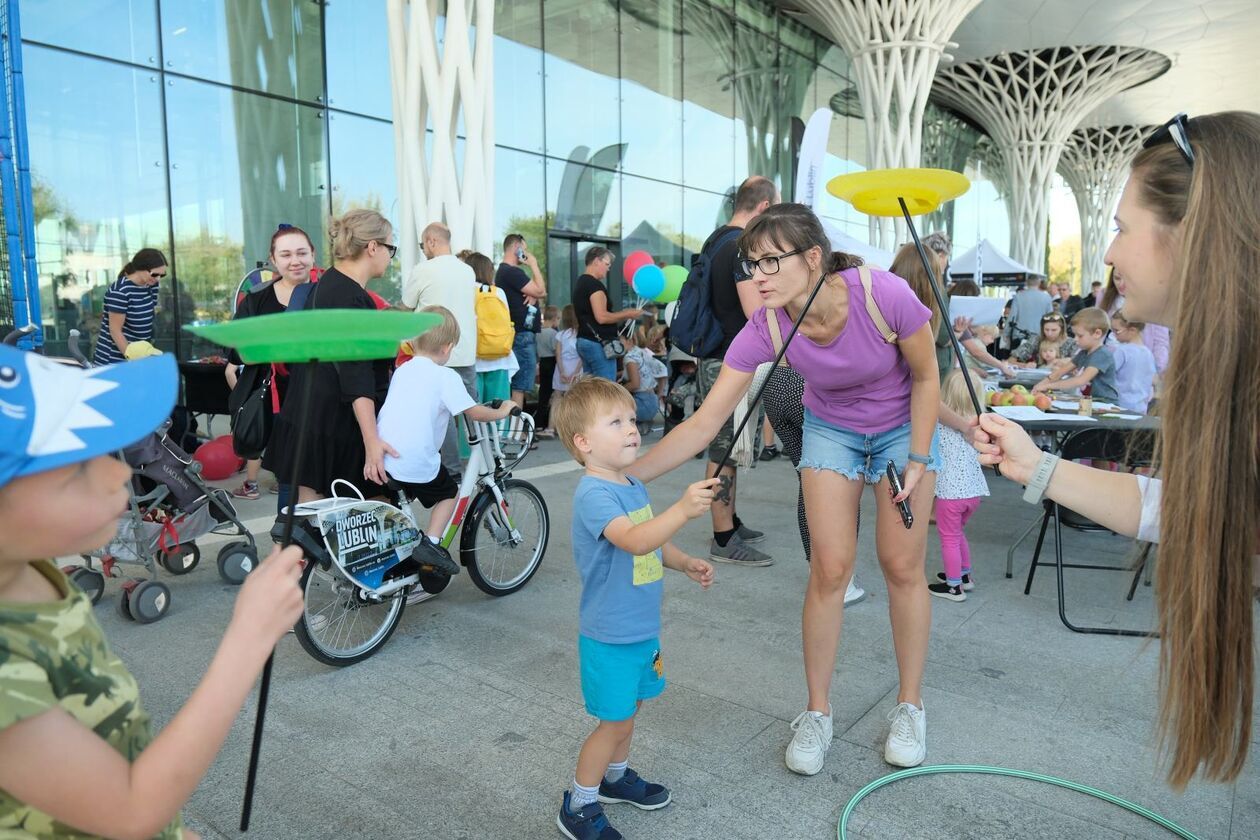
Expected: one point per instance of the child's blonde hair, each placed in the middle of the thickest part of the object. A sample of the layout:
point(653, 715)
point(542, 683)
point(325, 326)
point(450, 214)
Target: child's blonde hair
point(1119, 320)
point(435, 338)
point(987, 333)
point(551, 313)
point(589, 396)
point(1092, 318)
point(955, 395)
point(1056, 346)
point(568, 317)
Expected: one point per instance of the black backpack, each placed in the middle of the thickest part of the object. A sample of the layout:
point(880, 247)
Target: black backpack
point(695, 330)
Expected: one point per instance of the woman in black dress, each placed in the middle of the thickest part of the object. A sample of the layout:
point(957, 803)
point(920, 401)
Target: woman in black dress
point(341, 441)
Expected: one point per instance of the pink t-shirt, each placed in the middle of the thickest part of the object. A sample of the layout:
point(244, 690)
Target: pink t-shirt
point(857, 382)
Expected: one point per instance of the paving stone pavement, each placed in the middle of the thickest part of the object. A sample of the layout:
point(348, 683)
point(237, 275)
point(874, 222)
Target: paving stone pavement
point(468, 722)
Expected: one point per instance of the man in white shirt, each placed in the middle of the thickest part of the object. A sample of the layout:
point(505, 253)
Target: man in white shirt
point(445, 280)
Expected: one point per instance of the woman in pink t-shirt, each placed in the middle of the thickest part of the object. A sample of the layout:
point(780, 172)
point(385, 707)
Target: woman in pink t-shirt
point(867, 402)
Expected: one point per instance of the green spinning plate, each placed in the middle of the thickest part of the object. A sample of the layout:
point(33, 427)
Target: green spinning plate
point(875, 192)
point(329, 335)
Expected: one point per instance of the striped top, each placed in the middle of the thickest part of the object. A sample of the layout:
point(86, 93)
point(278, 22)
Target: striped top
point(136, 303)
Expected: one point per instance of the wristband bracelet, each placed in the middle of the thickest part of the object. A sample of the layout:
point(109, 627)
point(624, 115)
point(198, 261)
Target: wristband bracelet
point(1036, 489)
point(919, 459)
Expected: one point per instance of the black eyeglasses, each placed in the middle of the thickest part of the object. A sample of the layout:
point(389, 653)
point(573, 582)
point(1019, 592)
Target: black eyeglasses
point(156, 276)
point(393, 249)
point(768, 265)
point(1178, 128)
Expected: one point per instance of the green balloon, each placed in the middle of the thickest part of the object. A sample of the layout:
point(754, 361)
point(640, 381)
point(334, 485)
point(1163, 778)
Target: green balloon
point(675, 276)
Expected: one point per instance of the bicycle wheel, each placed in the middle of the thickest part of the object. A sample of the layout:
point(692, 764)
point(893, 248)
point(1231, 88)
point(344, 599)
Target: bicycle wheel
point(339, 625)
point(497, 563)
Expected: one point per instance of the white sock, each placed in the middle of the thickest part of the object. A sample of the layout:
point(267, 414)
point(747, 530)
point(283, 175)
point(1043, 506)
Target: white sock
point(433, 539)
point(581, 796)
point(615, 771)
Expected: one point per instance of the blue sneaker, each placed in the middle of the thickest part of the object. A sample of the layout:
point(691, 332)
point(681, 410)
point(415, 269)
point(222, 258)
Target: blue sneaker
point(630, 788)
point(588, 823)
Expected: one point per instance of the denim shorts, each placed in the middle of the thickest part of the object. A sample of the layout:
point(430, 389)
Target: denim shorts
point(856, 455)
point(616, 677)
point(525, 346)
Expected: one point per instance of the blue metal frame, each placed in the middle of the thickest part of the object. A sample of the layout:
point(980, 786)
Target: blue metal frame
point(19, 210)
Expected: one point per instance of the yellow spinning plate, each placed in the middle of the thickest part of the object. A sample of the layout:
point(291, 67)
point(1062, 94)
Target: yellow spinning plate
point(875, 192)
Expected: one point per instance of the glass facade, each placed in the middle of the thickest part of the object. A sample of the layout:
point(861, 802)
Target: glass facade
point(197, 127)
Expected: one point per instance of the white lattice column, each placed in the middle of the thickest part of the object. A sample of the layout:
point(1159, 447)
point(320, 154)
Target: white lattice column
point(1094, 163)
point(896, 47)
point(1030, 101)
point(438, 86)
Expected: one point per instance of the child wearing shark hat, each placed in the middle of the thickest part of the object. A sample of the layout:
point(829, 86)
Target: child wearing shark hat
point(77, 758)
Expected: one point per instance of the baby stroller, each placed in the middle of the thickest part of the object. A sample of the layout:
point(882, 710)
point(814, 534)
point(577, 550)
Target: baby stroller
point(170, 507)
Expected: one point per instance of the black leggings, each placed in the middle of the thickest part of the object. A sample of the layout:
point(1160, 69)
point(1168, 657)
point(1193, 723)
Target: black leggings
point(783, 403)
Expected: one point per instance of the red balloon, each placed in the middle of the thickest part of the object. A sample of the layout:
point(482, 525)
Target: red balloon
point(633, 262)
point(217, 461)
point(222, 440)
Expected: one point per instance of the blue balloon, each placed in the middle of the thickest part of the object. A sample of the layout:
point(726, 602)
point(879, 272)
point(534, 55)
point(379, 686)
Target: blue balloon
point(649, 281)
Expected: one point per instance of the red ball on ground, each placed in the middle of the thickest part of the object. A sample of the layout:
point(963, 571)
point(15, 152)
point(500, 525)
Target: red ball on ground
point(217, 460)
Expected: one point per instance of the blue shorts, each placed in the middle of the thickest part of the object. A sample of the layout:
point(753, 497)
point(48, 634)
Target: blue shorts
point(856, 455)
point(616, 677)
point(525, 346)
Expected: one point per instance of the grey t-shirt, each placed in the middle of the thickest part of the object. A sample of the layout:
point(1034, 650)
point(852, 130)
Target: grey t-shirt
point(1103, 386)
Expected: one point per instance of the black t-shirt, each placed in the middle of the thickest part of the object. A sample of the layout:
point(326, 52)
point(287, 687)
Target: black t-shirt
point(588, 327)
point(511, 279)
point(724, 274)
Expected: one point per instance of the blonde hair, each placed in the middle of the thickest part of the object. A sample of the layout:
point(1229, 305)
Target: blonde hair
point(352, 231)
point(551, 313)
point(589, 396)
point(1122, 321)
point(435, 338)
point(568, 317)
point(1208, 217)
point(987, 333)
point(1092, 318)
point(907, 265)
point(1056, 346)
point(955, 395)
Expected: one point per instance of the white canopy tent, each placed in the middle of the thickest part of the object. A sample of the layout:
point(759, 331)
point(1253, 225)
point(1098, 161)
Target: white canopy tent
point(841, 241)
point(993, 266)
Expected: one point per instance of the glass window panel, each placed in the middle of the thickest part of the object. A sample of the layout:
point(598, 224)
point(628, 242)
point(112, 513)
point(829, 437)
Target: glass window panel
point(708, 97)
point(89, 217)
point(358, 58)
point(759, 14)
point(584, 196)
point(651, 213)
point(520, 202)
point(272, 46)
point(756, 105)
point(362, 164)
point(834, 59)
point(795, 105)
point(240, 165)
point(799, 37)
point(581, 76)
point(122, 29)
point(651, 88)
point(518, 75)
point(703, 213)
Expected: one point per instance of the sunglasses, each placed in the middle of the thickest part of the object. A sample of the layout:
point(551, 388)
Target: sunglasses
point(1178, 129)
point(393, 249)
point(157, 275)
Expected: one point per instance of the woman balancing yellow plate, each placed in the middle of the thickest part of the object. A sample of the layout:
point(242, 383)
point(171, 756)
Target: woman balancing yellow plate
point(875, 192)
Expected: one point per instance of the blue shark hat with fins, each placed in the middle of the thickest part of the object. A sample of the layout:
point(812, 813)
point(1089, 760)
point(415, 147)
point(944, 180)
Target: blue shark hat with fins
point(53, 414)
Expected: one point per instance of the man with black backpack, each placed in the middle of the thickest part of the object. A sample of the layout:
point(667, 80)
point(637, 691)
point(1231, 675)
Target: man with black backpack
point(731, 302)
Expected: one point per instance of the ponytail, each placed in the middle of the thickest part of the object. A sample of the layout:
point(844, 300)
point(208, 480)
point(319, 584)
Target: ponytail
point(146, 259)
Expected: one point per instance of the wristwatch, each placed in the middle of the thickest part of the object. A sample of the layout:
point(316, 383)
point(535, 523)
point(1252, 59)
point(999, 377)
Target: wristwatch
point(1036, 489)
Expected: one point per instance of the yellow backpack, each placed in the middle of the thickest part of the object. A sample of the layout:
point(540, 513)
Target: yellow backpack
point(495, 332)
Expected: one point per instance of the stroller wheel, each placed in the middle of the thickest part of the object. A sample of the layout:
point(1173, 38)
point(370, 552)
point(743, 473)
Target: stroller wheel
point(124, 598)
point(181, 559)
point(149, 601)
point(236, 560)
point(90, 582)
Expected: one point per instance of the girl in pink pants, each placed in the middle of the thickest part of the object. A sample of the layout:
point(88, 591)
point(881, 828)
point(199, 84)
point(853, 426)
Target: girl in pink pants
point(960, 485)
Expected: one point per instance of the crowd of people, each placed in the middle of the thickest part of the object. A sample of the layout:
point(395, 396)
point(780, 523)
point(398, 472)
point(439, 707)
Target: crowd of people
point(863, 388)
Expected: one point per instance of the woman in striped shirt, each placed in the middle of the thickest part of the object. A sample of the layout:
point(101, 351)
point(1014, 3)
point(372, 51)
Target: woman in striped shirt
point(129, 305)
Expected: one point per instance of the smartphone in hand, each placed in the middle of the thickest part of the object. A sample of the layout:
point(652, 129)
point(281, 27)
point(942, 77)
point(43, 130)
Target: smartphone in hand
point(894, 488)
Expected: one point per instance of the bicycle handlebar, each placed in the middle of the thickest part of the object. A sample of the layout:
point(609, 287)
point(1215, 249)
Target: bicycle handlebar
point(17, 335)
point(73, 346)
point(515, 412)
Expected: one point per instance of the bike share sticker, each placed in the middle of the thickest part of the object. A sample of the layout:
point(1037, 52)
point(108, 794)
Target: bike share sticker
point(368, 539)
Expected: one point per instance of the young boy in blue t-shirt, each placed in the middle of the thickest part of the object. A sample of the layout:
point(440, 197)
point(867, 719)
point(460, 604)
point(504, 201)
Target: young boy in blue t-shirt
point(620, 549)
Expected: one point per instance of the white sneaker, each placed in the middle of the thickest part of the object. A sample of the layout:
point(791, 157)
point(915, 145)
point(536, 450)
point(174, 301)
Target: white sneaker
point(854, 593)
point(810, 743)
point(907, 736)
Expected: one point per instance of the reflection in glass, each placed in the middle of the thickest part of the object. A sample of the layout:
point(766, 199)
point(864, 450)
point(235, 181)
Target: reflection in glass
point(651, 87)
point(98, 181)
point(358, 58)
point(240, 165)
point(651, 214)
point(521, 203)
point(267, 45)
point(122, 29)
point(708, 97)
point(586, 185)
point(518, 75)
point(362, 162)
point(581, 70)
point(703, 213)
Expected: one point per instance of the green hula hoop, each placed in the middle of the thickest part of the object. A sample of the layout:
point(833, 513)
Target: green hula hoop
point(842, 828)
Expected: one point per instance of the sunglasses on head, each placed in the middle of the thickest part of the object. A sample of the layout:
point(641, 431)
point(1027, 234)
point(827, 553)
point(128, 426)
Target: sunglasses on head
point(1178, 130)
